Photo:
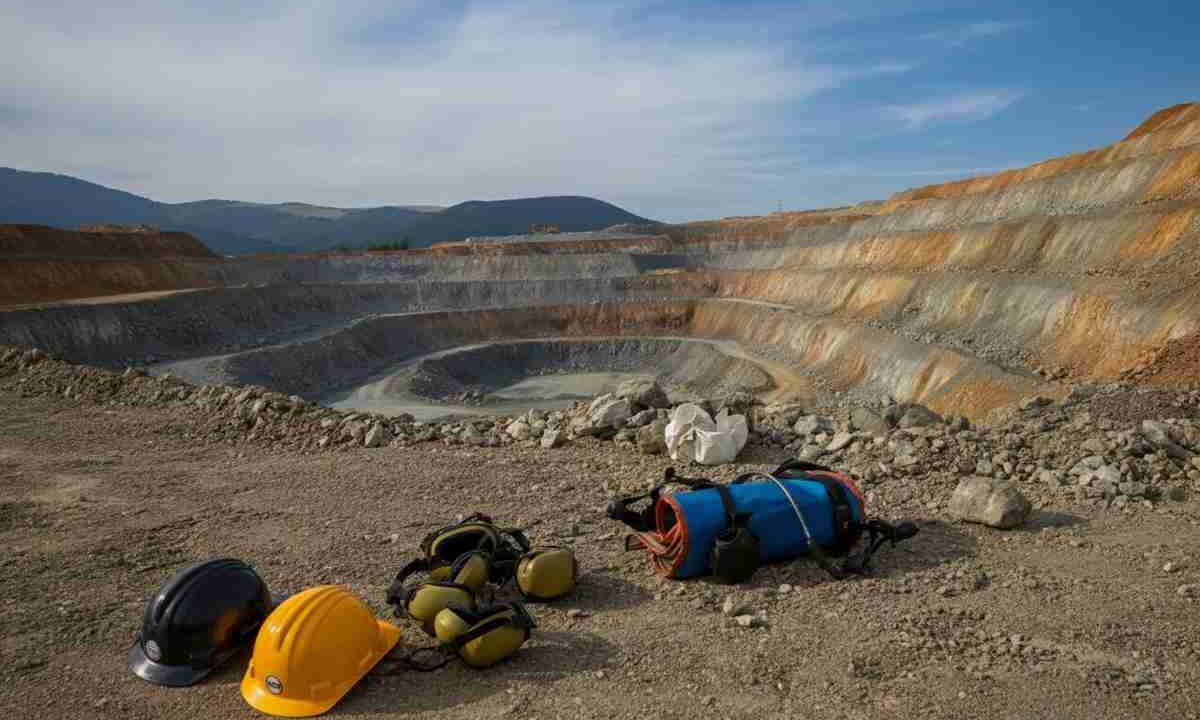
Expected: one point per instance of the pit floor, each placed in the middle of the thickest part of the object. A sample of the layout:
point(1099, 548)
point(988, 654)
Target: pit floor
point(101, 505)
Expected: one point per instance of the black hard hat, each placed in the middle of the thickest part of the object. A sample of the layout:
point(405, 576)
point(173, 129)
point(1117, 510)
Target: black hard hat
point(198, 620)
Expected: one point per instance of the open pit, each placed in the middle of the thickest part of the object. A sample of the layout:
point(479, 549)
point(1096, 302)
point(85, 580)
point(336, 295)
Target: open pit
point(513, 376)
point(967, 297)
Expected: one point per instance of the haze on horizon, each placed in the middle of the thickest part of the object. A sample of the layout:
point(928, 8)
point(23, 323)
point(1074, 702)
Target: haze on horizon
point(671, 110)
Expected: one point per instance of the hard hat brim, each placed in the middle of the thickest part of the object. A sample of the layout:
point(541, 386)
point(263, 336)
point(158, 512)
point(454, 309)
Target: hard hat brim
point(159, 674)
point(264, 702)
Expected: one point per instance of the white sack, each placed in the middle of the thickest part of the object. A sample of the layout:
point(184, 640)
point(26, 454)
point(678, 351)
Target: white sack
point(693, 436)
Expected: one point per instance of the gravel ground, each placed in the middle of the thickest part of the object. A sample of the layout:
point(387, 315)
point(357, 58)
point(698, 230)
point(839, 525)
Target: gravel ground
point(1079, 614)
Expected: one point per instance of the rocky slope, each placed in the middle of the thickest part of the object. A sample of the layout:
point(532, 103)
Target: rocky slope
point(966, 297)
point(41, 264)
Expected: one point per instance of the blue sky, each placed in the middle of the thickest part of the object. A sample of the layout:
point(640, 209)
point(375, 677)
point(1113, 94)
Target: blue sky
point(674, 110)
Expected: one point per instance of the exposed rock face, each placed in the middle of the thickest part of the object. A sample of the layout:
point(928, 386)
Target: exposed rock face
point(39, 263)
point(989, 502)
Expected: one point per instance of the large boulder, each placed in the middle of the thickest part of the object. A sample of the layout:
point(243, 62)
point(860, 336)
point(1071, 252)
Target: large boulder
point(553, 438)
point(990, 502)
point(642, 394)
point(917, 416)
point(1157, 432)
point(643, 418)
point(607, 412)
point(518, 430)
point(651, 439)
point(867, 421)
point(1170, 439)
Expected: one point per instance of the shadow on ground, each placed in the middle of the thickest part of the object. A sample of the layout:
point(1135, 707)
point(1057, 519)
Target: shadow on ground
point(1043, 519)
point(937, 543)
point(547, 657)
point(600, 591)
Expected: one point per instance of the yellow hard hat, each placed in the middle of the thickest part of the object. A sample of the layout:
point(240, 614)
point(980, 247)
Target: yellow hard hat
point(311, 650)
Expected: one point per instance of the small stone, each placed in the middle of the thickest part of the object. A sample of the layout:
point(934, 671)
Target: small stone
point(810, 453)
point(377, 436)
point(576, 613)
point(744, 621)
point(813, 424)
point(553, 438)
point(839, 441)
point(735, 608)
point(518, 430)
point(1035, 402)
point(1189, 591)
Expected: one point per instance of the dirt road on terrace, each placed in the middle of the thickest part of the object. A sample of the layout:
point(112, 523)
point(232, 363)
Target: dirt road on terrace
point(1074, 617)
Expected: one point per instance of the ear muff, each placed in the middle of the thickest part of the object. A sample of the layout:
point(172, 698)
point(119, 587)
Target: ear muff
point(450, 543)
point(485, 637)
point(471, 569)
point(547, 573)
point(424, 602)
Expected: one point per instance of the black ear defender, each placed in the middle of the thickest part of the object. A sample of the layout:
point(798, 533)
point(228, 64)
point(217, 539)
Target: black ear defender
point(735, 555)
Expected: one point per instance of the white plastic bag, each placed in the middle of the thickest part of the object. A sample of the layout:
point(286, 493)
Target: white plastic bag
point(693, 436)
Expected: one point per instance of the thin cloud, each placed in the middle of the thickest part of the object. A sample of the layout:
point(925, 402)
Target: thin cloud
point(964, 107)
point(965, 34)
point(323, 103)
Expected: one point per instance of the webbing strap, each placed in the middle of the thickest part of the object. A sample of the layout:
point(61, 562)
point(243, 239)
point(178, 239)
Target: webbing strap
point(814, 548)
point(644, 520)
point(845, 527)
point(519, 619)
point(729, 505)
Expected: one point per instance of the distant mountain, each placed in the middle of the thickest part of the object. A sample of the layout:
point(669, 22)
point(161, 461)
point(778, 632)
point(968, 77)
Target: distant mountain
point(569, 213)
point(233, 227)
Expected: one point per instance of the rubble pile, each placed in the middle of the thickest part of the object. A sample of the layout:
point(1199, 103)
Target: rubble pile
point(1113, 445)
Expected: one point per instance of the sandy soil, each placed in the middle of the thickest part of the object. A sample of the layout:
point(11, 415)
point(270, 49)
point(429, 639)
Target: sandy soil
point(1072, 617)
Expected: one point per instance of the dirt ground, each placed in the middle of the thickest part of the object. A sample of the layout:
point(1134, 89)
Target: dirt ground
point(1071, 617)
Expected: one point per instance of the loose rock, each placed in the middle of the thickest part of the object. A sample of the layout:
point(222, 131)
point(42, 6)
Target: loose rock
point(989, 502)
